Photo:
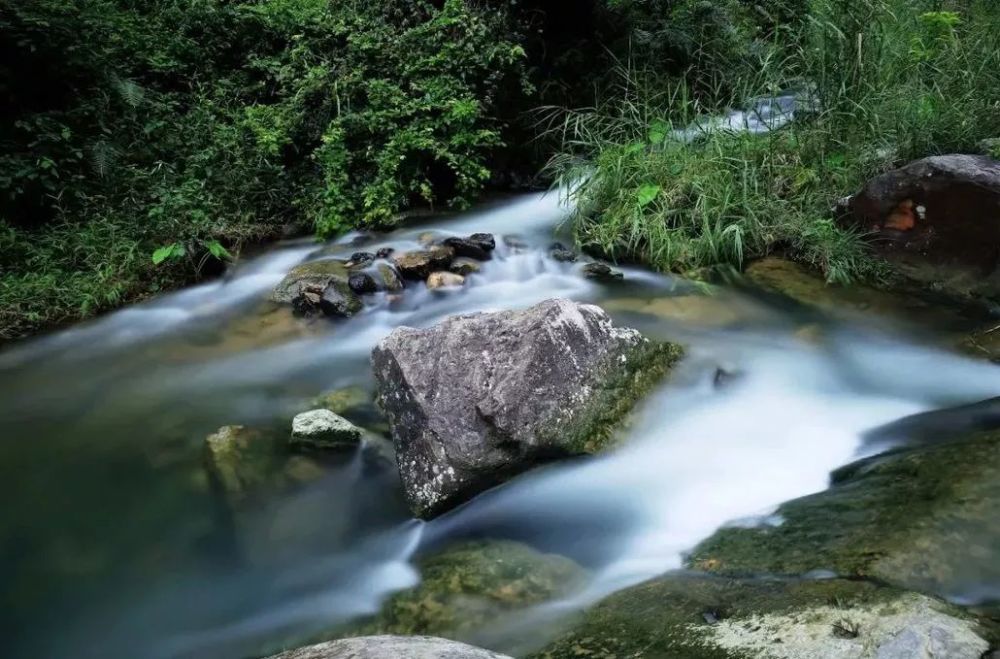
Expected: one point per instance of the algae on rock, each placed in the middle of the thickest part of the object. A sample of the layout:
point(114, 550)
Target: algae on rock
point(923, 518)
point(466, 588)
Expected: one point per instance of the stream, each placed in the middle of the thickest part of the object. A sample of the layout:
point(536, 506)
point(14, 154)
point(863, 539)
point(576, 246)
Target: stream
point(114, 545)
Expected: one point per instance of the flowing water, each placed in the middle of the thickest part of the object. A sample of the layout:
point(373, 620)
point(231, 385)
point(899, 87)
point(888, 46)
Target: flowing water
point(114, 545)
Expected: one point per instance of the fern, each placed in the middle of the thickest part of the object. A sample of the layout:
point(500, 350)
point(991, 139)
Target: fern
point(103, 157)
point(129, 91)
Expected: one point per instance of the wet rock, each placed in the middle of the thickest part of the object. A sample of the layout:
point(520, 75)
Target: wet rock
point(240, 460)
point(467, 247)
point(771, 619)
point(438, 280)
point(361, 260)
point(313, 274)
point(385, 252)
point(485, 241)
point(924, 518)
point(937, 219)
point(465, 267)
point(559, 252)
point(323, 429)
point(339, 301)
point(391, 281)
point(390, 647)
point(362, 283)
point(479, 398)
point(469, 587)
point(417, 266)
point(602, 272)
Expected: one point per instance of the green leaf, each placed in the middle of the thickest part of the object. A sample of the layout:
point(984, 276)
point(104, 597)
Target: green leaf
point(171, 251)
point(658, 132)
point(216, 249)
point(647, 193)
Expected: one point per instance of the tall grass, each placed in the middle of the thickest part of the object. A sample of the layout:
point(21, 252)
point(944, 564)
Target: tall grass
point(891, 80)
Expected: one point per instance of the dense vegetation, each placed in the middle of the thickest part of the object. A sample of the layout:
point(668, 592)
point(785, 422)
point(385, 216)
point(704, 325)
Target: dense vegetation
point(143, 142)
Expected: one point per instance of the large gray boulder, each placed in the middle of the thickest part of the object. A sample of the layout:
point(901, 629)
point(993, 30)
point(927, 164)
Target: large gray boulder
point(480, 398)
point(390, 647)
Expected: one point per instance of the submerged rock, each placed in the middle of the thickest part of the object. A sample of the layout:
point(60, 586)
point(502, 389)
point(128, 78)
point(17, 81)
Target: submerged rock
point(467, 588)
point(770, 619)
point(315, 274)
point(418, 265)
point(361, 260)
point(390, 647)
point(240, 460)
point(323, 429)
point(465, 266)
point(445, 280)
point(601, 272)
point(479, 398)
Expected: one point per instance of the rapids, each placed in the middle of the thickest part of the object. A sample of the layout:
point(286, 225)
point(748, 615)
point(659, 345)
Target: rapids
point(113, 545)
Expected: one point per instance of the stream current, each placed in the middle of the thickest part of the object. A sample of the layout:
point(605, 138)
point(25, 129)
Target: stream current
point(114, 545)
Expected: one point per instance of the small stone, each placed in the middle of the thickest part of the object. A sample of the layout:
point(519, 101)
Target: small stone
point(484, 240)
point(418, 265)
point(362, 283)
point(602, 272)
point(322, 429)
point(465, 267)
point(361, 260)
point(391, 280)
point(338, 301)
point(559, 252)
point(466, 247)
point(438, 280)
point(384, 253)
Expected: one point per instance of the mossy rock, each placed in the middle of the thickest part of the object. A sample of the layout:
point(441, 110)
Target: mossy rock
point(623, 386)
point(466, 588)
point(926, 518)
point(241, 460)
point(694, 616)
point(316, 273)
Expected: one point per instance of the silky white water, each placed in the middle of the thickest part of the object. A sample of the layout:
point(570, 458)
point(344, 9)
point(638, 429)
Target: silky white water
point(103, 429)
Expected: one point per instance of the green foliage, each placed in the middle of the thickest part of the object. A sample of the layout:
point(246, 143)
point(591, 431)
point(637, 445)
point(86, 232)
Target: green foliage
point(201, 124)
point(726, 197)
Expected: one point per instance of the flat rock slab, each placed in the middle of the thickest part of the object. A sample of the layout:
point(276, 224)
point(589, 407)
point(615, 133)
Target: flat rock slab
point(480, 398)
point(391, 647)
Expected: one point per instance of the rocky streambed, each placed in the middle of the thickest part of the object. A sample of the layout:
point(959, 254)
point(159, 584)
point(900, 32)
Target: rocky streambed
point(465, 440)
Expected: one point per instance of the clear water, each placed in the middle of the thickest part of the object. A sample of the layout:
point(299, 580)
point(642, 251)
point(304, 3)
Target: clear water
point(113, 545)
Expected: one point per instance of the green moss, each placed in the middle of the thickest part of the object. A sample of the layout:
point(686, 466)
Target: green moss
point(621, 389)
point(665, 618)
point(465, 589)
point(926, 518)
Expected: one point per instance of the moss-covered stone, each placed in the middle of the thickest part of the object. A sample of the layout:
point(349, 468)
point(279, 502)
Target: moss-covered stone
point(623, 385)
point(925, 518)
point(465, 588)
point(692, 616)
point(313, 273)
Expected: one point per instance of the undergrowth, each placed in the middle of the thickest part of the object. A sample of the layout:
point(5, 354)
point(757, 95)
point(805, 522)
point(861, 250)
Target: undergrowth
point(879, 82)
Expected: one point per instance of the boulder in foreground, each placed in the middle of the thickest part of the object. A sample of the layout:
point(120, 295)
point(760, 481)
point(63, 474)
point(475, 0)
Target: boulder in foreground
point(390, 647)
point(480, 398)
